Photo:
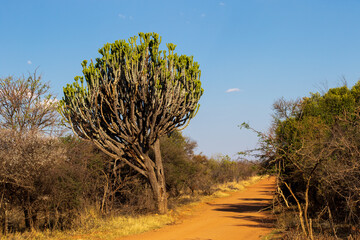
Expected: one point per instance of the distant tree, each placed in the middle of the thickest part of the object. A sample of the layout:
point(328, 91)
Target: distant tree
point(28, 116)
point(26, 106)
point(133, 95)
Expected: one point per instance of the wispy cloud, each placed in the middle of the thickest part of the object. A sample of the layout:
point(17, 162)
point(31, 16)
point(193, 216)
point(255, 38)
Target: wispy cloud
point(233, 90)
point(221, 3)
point(203, 15)
point(122, 16)
point(29, 62)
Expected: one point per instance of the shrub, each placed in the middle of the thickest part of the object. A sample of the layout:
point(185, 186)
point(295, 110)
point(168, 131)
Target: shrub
point(314, 148)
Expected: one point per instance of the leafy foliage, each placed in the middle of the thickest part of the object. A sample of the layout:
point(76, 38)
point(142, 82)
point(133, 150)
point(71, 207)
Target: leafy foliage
point(314, 149)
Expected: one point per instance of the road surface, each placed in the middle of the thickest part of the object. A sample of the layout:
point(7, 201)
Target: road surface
point(229, 218)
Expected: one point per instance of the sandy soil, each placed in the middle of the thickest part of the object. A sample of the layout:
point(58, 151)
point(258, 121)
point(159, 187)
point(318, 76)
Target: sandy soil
point(228, 218)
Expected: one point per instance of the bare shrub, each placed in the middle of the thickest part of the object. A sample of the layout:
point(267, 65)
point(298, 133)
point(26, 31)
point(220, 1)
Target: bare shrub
point(25, 163)
point(28, 119)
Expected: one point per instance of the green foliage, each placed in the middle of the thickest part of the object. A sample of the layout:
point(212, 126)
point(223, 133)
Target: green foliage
point(315, 152)
point(134, 90)
point(181, 171)
point(187, 172)
point(334, 103)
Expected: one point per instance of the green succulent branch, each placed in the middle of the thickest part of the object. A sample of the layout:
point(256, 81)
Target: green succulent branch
point(131, 95)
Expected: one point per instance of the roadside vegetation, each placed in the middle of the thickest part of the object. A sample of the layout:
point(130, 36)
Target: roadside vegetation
point(313, 149)
point(94, 225)
point(56, 185)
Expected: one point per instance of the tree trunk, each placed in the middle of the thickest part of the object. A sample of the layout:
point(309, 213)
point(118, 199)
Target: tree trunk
point(27, 218)
point(4, 218)
point(157, 180)
point(35, 223)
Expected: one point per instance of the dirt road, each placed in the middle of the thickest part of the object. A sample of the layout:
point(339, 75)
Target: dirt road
point(229, 218)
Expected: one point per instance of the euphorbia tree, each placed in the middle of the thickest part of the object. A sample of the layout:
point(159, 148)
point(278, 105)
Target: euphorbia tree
point(131, 96)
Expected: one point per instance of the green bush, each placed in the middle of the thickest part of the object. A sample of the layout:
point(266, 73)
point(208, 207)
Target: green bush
point(315, 150)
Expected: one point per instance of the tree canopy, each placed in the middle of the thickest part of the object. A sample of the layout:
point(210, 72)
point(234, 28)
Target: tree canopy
point(133, 94)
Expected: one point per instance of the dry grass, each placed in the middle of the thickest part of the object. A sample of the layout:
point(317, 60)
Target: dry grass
point(94, 227)
point(100, 228)
point(238, 186)
point(274, 235)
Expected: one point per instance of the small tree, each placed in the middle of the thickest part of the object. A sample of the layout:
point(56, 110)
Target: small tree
point(134, 94)
point(26, 106)
point(27, 116)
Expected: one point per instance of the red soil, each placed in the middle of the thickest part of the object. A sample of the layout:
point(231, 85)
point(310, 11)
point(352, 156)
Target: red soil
point(235, 217)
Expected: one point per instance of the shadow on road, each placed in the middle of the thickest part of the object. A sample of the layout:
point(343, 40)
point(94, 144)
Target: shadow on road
point(249, 205)
point(258, 222)
point(253, 206)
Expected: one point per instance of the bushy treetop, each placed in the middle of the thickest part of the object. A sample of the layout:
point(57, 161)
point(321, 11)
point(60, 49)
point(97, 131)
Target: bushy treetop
point(134, 92)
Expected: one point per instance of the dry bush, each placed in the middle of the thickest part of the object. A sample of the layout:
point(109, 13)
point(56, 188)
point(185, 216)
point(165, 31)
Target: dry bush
point(313, 147)
point(182, 170)
point(226, 170)
point(26, 163)
point(28, 121)
point(189, 173)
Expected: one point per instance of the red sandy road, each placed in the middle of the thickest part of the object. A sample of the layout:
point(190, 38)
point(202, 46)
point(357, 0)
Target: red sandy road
point(228, 218)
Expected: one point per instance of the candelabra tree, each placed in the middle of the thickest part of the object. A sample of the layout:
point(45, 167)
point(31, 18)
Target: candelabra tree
point(133, 94)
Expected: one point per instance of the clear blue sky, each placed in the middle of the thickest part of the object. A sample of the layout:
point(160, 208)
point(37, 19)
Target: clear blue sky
point(264, 48)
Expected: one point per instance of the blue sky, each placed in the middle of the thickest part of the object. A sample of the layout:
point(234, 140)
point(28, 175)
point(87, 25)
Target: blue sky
point(262, 49)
